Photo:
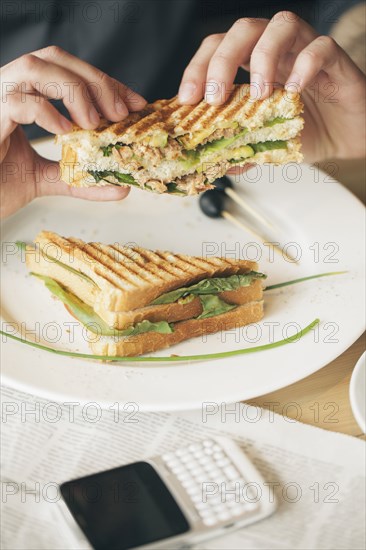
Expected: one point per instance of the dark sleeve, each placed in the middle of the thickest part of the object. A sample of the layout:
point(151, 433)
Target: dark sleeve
point(144, 43)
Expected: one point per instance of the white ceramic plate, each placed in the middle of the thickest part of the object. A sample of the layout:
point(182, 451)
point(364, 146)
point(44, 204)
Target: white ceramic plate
point(318, 214)
point(357, 392)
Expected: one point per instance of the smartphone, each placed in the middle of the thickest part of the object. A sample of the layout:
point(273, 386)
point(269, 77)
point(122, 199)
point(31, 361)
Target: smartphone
point(175, 500)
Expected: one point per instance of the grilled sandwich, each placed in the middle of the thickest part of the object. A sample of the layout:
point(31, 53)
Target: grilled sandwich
point(182, 149)
point(135, 301)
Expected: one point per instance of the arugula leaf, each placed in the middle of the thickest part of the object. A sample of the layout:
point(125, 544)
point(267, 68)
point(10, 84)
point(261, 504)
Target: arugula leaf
point(107, 150)
point(125, 178)
point(210, 286)
point(86, 315)
point(212, 305)
point(172, 189)
point(99, 175)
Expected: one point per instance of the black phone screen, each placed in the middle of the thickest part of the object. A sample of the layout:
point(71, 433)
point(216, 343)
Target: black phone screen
point(125, 507)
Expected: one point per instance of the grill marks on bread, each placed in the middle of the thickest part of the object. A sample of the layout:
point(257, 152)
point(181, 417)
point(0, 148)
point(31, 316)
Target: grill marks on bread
point(161, 133)
point(177, 120)
point(132, 277)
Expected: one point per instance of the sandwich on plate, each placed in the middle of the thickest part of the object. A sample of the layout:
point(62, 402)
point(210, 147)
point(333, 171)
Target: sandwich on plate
point(134, 301)
point(182, 149)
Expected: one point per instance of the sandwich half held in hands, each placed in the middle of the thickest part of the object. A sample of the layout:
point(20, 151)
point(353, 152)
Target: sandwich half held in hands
point(135, 301)
point(182, 149)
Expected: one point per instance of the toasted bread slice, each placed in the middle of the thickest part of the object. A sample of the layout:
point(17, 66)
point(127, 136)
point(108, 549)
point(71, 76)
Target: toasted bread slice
point(203, 122)
point(173, 312)
point(118, 278)
point(151, 145)
point(149, 342)
point(195, 122)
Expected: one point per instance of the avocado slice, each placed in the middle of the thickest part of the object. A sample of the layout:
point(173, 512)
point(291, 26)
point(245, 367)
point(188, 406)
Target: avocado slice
point(158, 139)
point(245, 151)
point(191, 158)
point(221, 143)
point(269, 145)
point(194, 157)
point(276, 120)
point(258, 148)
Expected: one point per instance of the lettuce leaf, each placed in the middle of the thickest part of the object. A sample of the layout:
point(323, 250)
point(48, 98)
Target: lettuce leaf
point(172, 189)
point(86, 315)
point(212, 305)
point(210, 286)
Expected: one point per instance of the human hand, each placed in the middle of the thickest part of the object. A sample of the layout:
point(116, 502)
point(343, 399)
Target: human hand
point(27, 84)
point(286, 50)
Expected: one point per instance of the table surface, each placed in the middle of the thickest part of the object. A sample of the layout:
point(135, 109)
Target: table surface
point(321, 399)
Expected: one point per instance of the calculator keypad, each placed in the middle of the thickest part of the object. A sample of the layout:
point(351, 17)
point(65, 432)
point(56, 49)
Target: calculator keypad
point(207, 462)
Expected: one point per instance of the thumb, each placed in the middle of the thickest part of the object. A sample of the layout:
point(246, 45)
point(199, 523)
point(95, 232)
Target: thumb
point(50, 183)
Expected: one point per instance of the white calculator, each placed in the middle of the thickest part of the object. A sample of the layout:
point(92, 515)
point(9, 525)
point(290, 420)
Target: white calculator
point(175, 500)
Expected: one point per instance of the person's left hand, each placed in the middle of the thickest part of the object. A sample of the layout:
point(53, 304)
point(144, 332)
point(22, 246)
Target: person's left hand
point(287, 51)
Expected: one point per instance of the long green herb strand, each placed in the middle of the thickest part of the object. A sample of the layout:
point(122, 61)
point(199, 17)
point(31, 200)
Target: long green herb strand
point(294, 281)
point(290, 339)
point(219, 355)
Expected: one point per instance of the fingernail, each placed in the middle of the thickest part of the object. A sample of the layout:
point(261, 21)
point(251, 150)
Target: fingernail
point(186, 91)
point(293, 83)
point(138, 98)
point(121, 108)
point(256, 86)
point(212, 91)
point(66, 124)
point(93, 116)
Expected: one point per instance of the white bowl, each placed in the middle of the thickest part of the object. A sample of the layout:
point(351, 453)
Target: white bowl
point(357, 392)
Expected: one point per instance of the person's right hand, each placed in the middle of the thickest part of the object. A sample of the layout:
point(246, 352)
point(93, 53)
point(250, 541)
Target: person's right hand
point(27, 84)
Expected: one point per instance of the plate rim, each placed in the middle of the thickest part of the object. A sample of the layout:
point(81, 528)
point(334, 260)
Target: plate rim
point(355, 404)
point(187, 403)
